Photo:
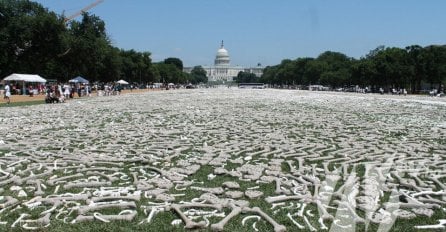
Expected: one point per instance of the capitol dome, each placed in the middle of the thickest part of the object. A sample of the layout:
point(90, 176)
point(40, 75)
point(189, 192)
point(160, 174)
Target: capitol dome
point(222, 52)
point(222, 57)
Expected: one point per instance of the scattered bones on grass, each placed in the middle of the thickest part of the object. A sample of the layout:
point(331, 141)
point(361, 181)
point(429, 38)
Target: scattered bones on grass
point(72, 167)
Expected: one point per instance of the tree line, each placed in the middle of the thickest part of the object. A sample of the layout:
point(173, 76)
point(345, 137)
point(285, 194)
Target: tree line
point(413, 68)
point(36, 40)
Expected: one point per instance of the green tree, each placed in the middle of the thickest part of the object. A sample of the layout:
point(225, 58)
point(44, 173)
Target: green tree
point(169, 73)
point(300, 66)
point(416, 61)
point(337, 69)
point(363, 72)
point(284, 74)
point(113, 65)
point(434, 58)
point(246, 77)
point(89, 47)
point(269, 75)
point(337, 78)
point(393, 68)
point(175, 61)
point(313, 72)
point(198, 75)
point(137, 66)
point(30, 37)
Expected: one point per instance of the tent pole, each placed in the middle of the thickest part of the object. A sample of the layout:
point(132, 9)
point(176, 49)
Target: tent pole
point(24, 89)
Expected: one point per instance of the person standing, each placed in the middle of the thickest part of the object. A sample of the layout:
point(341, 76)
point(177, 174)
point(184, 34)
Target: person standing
point(7, 93)
point(79, 90)
point(88, 90)
point(67, 91)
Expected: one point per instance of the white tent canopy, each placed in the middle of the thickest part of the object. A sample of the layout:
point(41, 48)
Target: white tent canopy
point(25, 78)
point(122, 82)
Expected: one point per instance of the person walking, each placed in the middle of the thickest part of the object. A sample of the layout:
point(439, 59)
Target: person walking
point(7, 93)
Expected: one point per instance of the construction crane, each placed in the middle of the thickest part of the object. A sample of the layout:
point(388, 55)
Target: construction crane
point(85, 9)
point(71, 17)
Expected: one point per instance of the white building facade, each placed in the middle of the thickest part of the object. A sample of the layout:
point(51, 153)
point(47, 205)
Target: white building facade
point(222, 69)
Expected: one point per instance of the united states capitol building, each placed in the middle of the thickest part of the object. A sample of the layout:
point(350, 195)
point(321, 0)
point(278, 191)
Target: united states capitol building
point(222, 69)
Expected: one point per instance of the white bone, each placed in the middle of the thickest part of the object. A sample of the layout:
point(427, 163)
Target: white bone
point(152, 213)
point(56, 189)
point(26, 227)
point(301, 227)
point(32, 177)
point(286, 198)
point(420, 182)
point(41, 222)
point(189, 224)
point(10, 201)
point(308, 212)
point(441, 225)
point(121, 205)
point(87, 184)
point(22, 193)
point(110, 178)
point(279, 190)
point(309, 224)
point(398, 205)
point(274, 205)
point(321, 222)
point(217, 190)
point(113, 198)
point(176, 222)
point(250, 217)
point(301, 211)
point(97, 216)
point(57, 204)
point(121, 217)
point(277, 227)
point(438, 193)
point(356, 217)
point(19, 219)
point(220, 225)
point(71, 197)
point(322, 209)
point(336, 222)
point(39, 191)
point(254, 226)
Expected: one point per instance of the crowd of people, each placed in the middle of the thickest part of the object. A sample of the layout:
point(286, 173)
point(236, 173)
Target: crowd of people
point(60, 92)
point(107, 89)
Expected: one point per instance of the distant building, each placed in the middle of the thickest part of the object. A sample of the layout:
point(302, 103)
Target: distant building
point(222, 69)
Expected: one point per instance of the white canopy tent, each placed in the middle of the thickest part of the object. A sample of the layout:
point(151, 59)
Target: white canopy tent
point(122, 82)
point(25, 78)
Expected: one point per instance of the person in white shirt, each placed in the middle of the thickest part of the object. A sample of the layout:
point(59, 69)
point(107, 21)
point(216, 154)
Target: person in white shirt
point(7, 94)
point(67, 91)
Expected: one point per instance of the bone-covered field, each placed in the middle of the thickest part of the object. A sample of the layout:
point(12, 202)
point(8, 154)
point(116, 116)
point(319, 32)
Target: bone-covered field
point(225, 159)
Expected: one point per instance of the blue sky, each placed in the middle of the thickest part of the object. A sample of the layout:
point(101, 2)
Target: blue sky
point(264, 31)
